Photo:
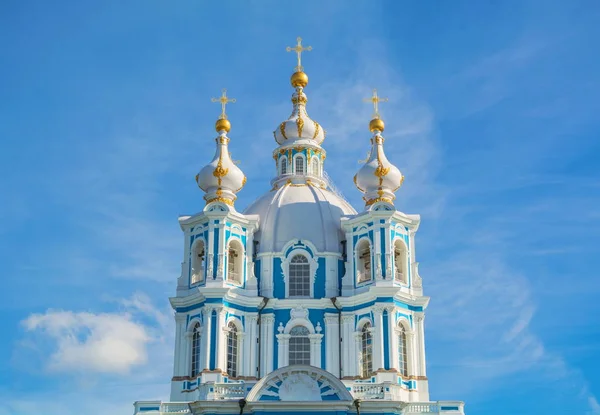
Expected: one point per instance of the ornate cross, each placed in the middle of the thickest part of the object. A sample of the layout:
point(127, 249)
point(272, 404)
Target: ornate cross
point(299, 49)
point(375, 100)
point(224, 101)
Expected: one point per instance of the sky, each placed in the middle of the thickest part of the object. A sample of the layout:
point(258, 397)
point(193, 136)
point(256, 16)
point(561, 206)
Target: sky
point(105, 118)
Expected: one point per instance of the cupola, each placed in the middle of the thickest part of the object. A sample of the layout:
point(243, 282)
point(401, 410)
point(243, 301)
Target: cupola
point(378, 179)
point(221, 179)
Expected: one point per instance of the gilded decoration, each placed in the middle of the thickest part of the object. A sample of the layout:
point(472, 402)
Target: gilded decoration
point(379, 199)
point(316, 130)
point(243, 184)
point(220, 199)
point(282, 130)
point(300, 125)
point(300, 99)
point(356, 184)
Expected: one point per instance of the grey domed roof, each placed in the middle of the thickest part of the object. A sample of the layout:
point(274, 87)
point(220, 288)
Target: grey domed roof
point(300, 212)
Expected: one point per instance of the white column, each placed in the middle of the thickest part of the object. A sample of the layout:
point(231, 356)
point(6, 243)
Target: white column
point(356, 352)
point(420, 343)
point(250, 353)
point(221, 251)
point(251, 281)
point(210, 274)
point(378, 339)
point(332, 344)
point(347, 341)
point(393, 338)
point(207, 348)
point(283, 350)
point(267, 334)
point(315, 349)
point(180, 320)
point(242, 357)
point(221, 345)
point(412, 353)
point(377, 252)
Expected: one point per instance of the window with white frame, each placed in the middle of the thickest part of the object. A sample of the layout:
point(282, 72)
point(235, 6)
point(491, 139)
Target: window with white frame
point(234, 262)
point(232, 350)
point(299, 164)
point(315, 166)
point(198, 254)
point(366, 351)
point(400, 262)
point(363, 267)
point(402, 351)
point(196, 350)
point(299, 346)
point(299, 278)
point(284, 165)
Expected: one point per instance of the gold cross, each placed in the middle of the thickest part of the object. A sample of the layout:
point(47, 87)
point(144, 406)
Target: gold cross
point(299, 49)
point(224, 101)
point(375, 100)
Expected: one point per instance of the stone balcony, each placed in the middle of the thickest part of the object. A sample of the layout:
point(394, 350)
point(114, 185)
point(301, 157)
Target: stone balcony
point(405, 408)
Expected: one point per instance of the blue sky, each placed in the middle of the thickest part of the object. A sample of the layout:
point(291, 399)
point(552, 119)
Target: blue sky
point(105, 118)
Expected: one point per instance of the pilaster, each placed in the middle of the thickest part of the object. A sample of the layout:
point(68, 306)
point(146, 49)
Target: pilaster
point(332, 344)
point(378, 339)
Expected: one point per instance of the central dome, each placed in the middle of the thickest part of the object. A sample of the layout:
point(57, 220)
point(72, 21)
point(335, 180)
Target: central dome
point(300, 212)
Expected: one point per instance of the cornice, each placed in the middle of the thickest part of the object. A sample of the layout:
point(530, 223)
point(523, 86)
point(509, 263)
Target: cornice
point(249, 221)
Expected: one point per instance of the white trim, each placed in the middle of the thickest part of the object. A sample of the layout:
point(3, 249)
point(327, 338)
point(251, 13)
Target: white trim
point(240, 261)
point(357, 260)
point(294, 158)
point(404, 280)
point(197, 241)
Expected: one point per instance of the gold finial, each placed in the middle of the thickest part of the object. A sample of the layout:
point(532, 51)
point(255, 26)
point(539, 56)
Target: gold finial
point(375, 99)
point(376, 123)
point(224, 100)
point(299, 49)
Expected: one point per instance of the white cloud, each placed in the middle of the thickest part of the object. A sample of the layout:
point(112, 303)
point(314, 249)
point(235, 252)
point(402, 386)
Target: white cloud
point(109, 343)
point(104, 343)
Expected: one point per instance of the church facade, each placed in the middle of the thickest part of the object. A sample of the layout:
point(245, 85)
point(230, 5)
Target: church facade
point(300, 303)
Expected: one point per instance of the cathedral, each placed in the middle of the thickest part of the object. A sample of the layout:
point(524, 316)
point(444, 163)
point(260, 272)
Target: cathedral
point(300, 303)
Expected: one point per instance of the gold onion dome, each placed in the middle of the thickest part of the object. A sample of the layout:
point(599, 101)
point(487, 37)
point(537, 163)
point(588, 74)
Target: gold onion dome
point(376, 124)
point(221, 179)
point(378, 179)
point(223, 124)
point(299, 79)
point(299, 128)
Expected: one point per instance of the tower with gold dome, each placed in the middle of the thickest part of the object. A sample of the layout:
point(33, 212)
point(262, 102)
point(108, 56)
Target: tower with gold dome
point(299, 304)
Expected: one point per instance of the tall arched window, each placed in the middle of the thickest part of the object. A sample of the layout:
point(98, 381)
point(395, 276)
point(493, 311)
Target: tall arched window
point(363, 265)
point(299, 164)
point(232, 350)
point(402, 354)
point(198, 254)
point(299, 346)
point(400, 261)
point(315, 166)
point(234, 262)
point(366, 351)
point(196, 350)
point(299, 277)
point(284, 165)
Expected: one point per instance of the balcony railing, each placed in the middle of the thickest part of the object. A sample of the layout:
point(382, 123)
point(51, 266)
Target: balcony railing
point(162, 408)
point(224, 391)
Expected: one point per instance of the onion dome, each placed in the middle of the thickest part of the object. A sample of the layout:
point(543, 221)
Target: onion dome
point(378, 179)
point(221, 179)
point(299, 128)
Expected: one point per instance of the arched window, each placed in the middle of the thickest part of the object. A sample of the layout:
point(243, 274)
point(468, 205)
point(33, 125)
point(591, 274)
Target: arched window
point(299, 277)
point(400, 261)
point(299, 164)
point(402, 355)
point(284, 165)
point(363, 265)
point(366, 351)
point(198, 255)
point(196, 350)
point(234, 262)
point(232, 350)
point(299, 346)
point(315, 166)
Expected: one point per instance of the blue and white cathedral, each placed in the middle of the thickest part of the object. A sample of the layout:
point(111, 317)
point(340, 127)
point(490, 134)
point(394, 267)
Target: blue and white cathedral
point(299, 304)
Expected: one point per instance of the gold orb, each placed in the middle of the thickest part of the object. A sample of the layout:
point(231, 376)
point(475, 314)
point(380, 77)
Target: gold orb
point(376, 124)
point(222, 124)
point(299, 79)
